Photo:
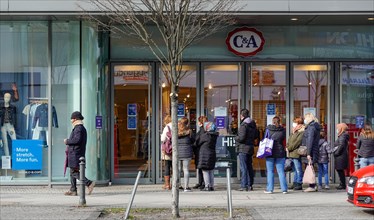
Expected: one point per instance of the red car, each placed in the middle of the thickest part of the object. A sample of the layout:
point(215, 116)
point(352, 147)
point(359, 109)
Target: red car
point(361, 187)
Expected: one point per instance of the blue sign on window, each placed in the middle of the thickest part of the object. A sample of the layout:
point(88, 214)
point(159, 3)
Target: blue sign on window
point(99, 122)
point(270, 109)
point(27, 154)
point(220, 122)
point(131, 109)
point(131, 122)
point(360, 121)
point(180, 110)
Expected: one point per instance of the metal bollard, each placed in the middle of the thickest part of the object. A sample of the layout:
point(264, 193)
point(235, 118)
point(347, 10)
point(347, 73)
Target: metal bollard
point(132, 195)
point(356, 160)
point(229, 195)
point(82, 167)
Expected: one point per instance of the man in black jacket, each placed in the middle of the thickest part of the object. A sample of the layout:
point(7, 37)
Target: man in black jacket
point(245, 149)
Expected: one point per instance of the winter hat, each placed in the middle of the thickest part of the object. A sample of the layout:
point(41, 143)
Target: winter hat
point(77, 115)
point(210, 127)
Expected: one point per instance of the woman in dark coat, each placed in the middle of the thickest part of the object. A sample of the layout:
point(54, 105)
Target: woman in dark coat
point(311, 139)
point(76, 148)
point(196, 149)
point(185, 152)
point(278, 157)
point(341, 153)
point(207, 155)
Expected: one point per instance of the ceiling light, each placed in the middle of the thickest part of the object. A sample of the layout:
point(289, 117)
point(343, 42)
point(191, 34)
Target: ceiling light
point(163, 85)
point(210, 86)
point(371, 19)
point(294, 19)
point(188, 95)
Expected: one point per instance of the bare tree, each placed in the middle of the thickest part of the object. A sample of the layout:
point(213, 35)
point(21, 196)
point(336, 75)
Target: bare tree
point(180, 23)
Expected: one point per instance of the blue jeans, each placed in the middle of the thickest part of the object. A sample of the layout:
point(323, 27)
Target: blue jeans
point(279, 164)
point(246, 169)
point(366, 161)
point(298, 170)
point(323, 170)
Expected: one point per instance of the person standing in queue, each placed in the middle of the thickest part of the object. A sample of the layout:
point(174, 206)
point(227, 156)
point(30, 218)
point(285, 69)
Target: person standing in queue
point(341, 153)
point(245, 149)
point(196, 149)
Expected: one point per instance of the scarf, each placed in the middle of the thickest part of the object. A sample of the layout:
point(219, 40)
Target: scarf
point(77, 122)
point(298, 127)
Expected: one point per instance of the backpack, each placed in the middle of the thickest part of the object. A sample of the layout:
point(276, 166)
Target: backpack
point(166, 146)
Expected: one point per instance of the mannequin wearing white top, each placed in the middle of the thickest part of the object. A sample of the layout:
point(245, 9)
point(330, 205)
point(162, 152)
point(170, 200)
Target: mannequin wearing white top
point(8, 120)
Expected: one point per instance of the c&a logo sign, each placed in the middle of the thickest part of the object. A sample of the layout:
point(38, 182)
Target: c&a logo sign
point(245, 41)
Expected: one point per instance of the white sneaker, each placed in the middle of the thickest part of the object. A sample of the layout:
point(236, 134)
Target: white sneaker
point(310, 189)
point(188, 189)
point(268, 192)
point(285, 192)
point(319, 188)
point(327, 187)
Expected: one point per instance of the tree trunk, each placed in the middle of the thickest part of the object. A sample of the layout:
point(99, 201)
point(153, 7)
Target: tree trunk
point(175, 161)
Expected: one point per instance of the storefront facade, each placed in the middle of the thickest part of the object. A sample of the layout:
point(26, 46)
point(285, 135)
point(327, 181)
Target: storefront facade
point(54, 67)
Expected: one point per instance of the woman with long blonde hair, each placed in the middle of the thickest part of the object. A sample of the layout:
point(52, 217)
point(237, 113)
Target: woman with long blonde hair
point(365, 145)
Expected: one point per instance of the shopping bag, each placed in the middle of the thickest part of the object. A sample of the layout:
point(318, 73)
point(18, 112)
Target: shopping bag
point(266, 146)
point(309, 175)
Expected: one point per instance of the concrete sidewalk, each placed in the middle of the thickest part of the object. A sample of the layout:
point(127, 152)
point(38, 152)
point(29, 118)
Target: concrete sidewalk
point(36, 202)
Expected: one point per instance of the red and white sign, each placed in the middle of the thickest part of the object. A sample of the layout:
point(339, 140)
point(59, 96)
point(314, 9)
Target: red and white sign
point(245, 41)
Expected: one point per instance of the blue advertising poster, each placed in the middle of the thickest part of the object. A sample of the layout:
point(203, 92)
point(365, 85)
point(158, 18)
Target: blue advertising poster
point(360, 121)
point(180, 110)
point(27, 154)
point(131, 109)
point(220, 122)
point(131, 122)
point(99, 122)
point(270, 109)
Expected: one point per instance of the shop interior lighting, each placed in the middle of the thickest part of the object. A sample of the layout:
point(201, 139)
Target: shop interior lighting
point(371, 19)
point(210, 86)
point(188, 95)
point(294, 19)
point(163, 85)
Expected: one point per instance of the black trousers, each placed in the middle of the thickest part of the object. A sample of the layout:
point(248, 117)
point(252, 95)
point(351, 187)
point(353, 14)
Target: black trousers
point(200, 177)
point(74, 176)
point(341, 177)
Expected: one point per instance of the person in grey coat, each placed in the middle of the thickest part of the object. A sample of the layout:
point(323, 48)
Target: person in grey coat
point(76, 148)
point(341, 153)
point(365, 146)
point(323, 160)
point(311, 138)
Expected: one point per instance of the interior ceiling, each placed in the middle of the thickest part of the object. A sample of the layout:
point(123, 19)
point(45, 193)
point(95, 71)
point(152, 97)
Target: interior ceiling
point(258, 20)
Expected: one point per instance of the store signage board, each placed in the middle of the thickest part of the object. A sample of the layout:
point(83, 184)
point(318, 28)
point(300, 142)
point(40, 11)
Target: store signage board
point(131, 109)
point(220, 111)
point(360, 121)
point(27, 154)
point(180, 110)
point(310, 110)
point(245, 41)
point(5, 162)
point(220, 122)
point(99, 122)
point(131, 123)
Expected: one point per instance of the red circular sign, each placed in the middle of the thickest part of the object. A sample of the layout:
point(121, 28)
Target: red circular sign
point(245, 41)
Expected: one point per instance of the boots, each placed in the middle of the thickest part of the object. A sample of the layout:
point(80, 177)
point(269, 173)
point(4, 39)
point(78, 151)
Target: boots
point(292, 186)
point(167, 183)
point(298, 186)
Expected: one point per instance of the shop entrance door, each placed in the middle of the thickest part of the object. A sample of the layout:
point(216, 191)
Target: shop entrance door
point(132, 111)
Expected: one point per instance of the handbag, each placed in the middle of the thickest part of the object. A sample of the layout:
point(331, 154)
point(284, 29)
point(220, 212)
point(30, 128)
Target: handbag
point(309, 175)
point(266, 146)
point(288, 165)
point(302, 151)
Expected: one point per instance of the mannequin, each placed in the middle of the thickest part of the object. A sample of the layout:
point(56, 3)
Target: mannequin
point(7, 122)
